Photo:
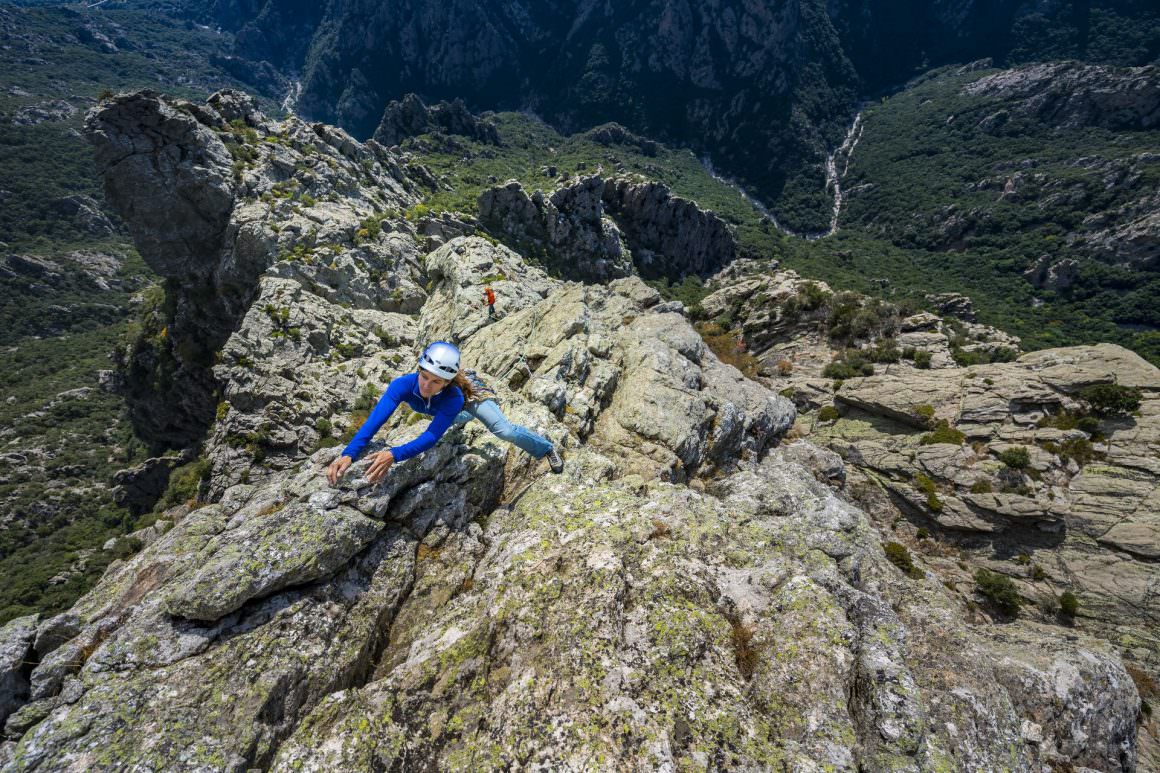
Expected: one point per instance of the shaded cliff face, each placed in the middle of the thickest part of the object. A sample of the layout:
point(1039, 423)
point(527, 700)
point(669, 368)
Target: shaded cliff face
point(686, 594)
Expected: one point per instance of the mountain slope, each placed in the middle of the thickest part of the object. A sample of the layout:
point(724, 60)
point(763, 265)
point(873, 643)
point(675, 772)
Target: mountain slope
point(685, 595)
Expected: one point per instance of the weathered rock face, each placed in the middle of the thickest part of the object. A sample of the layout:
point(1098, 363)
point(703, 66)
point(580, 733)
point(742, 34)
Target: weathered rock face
point(410, 118)
point(568, 229)
point(669, 236)
point(1079, 518)
point(599, 229)
point(681, 597)
point(1071, 94)
point(1047, 274)
point(214, 195)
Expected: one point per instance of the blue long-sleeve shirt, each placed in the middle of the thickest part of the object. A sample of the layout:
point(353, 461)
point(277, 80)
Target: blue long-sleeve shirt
point(444, 407)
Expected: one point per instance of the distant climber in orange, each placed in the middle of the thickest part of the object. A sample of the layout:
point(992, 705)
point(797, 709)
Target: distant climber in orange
point(489, 296)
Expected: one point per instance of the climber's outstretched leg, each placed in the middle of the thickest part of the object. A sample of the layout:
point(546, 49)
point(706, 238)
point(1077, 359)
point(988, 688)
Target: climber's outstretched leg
point(489, 412)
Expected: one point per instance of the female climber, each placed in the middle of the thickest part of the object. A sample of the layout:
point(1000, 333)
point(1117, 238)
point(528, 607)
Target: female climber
point(441, 390)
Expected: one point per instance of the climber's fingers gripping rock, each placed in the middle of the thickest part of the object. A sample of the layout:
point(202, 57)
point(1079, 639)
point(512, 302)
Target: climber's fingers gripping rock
point(336, 469)
point(382, 462)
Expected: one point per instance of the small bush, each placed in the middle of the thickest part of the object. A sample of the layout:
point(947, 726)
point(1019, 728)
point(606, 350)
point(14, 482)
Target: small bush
point(943, 433)
point(784, 367)
point(922, 359)
point(840, 370)
point(1079, 449)
point(729, 349)
point(1111, 399)
point(1000, 590)
point(934, 503)
point(900, 557)
point(828, 413)
point(1016, 458)
point(1038, 573)
point(925, 413)
point(367, 399)
point(982, 486)
point(924, 484)
point(923, 533)
point(811, 295)
point(1069, 604)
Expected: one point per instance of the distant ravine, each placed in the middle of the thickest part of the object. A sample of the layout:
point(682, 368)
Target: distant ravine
point(833, 183)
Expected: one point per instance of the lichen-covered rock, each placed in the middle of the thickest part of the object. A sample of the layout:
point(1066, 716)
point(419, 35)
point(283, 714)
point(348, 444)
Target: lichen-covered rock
point(679, 597)
point(633, 624)
point(265, 552)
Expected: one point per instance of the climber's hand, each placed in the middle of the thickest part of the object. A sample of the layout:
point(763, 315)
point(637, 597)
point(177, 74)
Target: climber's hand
point(382, 462)
point(337, 468)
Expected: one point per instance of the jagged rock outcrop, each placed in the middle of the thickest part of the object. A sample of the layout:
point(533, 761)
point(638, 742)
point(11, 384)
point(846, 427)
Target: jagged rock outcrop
point(953, 305)
point(85, 213)
point(410, 118)
point(669, 236)
point(215, 194)
point(1079, 518)
point(598, 229)
point(679, 597)
point(1073, 94)
point(615, 134)
point(792, 326)
point(567, 230)
point(1054, 275)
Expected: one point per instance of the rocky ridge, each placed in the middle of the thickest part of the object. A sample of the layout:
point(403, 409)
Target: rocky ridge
point(925, 444)
point(597, 229)
point(687, 594)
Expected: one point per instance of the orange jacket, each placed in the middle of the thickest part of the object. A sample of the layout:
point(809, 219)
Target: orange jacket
point(490, 296)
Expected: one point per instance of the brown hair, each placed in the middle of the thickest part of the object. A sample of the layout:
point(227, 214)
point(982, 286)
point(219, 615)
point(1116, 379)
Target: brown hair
point(465, 386)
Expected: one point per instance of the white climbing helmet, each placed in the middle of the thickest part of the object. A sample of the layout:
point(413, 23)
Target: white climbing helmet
point(440, 358)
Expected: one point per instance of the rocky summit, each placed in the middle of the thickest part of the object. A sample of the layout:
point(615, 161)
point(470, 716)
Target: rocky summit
point(697, 591)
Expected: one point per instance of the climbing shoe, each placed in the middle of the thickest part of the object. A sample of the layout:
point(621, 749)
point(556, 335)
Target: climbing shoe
point(555, 459)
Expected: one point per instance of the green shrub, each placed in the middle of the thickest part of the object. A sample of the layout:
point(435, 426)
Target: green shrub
point(1038, 573)
point(900, 557)
point(925, 413)
point(828, 413)
point(184, 483)
point(922, 359)
point(840, 370)
point(934, 503)
point(323, 427)
point(923, 533)
point(1111, 399)
point(367, 398)
point(886, 351)
point(1069, 604)
point(811, 295)
point(943, 433)
point(126, 547)
point(982, 486)
point(1016, 458)
point(924, 484)
point(1079, 449)
point(999, 589)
